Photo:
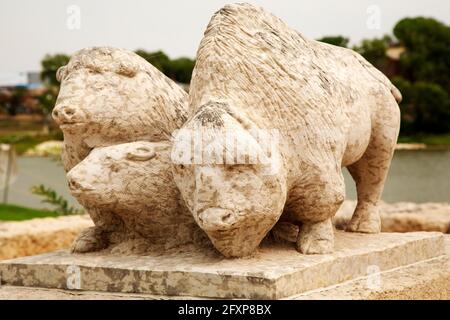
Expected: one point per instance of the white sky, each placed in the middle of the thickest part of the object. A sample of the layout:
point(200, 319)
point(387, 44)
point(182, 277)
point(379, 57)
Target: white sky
point(29, 28)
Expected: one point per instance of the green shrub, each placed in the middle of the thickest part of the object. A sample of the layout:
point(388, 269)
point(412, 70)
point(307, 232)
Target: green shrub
point(425, 107)
point(432, 108)
point(61, 205)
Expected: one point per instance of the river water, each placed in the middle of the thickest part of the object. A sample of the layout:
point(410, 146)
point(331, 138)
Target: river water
point(416, 176)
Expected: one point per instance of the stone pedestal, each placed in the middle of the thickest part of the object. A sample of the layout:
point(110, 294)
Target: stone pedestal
point(275, 271)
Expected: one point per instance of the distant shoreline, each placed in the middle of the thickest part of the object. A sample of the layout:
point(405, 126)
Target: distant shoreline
point(410, 146)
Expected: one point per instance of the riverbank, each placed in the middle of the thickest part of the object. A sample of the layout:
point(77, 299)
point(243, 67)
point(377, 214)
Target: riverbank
point(429, 140)
point(403, 216)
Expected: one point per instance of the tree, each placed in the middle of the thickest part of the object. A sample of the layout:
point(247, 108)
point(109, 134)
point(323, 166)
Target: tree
point(427, 55)
point(432, 107)
point(181, 70)
point(407, 110)
point(335, 40)
point(47, 101)
point(374, 51)
point(158, 59)
point(5, 97)
point(50, 64)
point(15, 100)
point(178, 70)
point(426, 65)
point(425, 107)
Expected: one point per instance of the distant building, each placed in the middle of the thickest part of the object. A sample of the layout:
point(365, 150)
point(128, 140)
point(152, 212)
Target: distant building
point(10, 80)
point(19, 92)
point(34, 80)
point(393, 54)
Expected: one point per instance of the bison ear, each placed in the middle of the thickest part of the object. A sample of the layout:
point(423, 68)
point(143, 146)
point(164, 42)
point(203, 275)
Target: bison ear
point(141, 154)
point(60, 74)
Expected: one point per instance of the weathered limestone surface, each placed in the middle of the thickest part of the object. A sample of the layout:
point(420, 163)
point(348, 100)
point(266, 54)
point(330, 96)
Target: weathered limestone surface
point(322, 108)
point(424, 280)
point(403, 216)
point(111, 97)
point(325, 107)
point(429, 279)
point(133, 182)
point(31, 293)
point(274, 271)
point(37, 236)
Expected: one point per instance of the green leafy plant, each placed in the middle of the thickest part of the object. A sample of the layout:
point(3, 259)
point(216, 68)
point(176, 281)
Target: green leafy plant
point(61, 206)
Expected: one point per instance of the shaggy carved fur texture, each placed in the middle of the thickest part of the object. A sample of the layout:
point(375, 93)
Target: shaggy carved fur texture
point(330, 109)
point(110, 97)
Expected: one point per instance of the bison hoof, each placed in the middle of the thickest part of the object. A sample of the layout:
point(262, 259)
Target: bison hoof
point(89, 240)
point(365, 219)
point(316, 238)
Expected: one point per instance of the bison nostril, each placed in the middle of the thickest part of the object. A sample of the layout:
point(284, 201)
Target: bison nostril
point(226, 218)
point(63, 113)
point(68, 111)
point(73, 184)
point(216, 218)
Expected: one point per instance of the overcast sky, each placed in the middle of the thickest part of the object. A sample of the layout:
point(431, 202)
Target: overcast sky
point(29, 28)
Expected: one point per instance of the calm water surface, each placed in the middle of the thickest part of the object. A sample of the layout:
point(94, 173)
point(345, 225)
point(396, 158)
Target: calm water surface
point(417, 176)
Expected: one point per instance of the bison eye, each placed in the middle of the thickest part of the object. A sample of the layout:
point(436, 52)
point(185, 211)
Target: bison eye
point(141, 154)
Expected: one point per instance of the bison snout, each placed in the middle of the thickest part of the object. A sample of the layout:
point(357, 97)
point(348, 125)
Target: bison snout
point(216, 219)
point(76, 186)
point(64, 114)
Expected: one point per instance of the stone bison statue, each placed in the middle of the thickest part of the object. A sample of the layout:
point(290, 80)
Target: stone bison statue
point(112, 96)
point(133, 181)
point(325, 106)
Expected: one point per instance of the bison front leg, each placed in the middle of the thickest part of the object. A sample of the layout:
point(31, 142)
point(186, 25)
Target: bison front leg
point(89, 240)
point(313, 203)
point(108, 229)
point(370, 172)
point(316, 237)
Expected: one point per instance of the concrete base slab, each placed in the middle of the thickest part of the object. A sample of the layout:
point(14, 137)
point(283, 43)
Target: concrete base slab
point(275, 271)
point(429, 279)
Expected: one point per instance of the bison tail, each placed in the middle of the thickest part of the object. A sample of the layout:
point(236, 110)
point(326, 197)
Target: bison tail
point(397, 94)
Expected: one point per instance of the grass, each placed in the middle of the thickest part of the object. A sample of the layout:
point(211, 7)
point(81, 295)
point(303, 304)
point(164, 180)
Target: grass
point(441, 140)
point(26, 140)
point(10, 212)
point(26, 134)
